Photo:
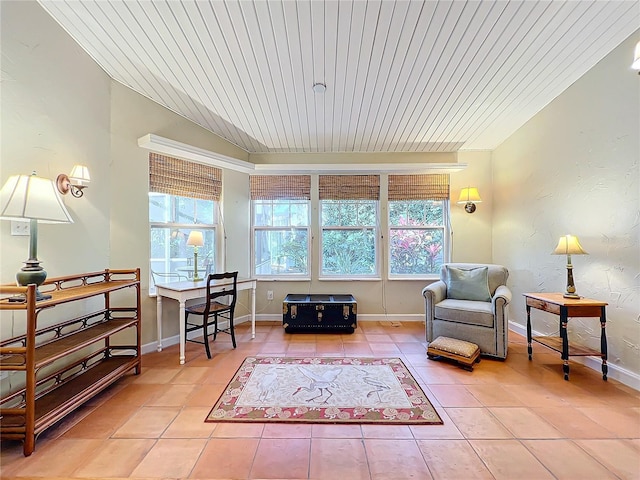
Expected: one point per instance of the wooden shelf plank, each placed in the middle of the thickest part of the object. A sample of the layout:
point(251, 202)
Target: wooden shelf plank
point(72, 342)
point(58, 402)
point(71, 294)
point(555, 343)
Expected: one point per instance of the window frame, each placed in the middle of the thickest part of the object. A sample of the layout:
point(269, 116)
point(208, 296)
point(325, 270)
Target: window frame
point(172, 226)
point(446, 240)
point(285, 276)
point(376, 241)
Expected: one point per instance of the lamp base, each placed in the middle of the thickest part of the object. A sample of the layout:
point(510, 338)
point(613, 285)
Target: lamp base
point(23, 298)
point(571, 295)
point(197, 279)
point(31, 273)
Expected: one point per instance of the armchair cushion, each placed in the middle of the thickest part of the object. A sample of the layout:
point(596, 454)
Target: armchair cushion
point(468, 283)
point(466, 311)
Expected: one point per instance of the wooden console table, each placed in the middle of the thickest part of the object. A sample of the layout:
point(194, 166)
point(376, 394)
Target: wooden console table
point(567, 307)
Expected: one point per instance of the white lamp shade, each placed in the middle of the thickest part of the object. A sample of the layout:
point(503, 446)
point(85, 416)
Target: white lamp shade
point(26, 197)
point(569, 245)
point(469, 194)
point(196, 239)
point(80, 175)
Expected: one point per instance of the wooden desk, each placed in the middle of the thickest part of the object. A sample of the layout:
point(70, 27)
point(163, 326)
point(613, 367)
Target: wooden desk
point(567, 307)
point(188, 290)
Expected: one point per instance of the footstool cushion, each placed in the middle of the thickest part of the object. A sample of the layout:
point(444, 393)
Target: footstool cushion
point(464, 353)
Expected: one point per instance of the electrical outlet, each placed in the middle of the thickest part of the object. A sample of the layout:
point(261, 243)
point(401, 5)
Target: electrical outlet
point(19, 228)
point(269, 294)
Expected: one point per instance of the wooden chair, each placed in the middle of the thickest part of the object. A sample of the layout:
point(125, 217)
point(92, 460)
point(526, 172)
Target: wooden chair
point(213, 307)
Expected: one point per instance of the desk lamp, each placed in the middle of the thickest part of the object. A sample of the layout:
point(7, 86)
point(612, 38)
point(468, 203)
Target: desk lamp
point(196, 240)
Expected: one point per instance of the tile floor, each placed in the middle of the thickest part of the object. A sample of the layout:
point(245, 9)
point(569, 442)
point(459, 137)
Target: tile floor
point(505, 420)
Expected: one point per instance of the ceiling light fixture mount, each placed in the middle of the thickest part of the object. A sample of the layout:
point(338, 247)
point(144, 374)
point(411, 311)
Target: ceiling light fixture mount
point(319, 87)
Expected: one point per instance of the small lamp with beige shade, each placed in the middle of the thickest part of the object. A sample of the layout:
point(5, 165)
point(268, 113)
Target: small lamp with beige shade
point(569, 245)
point(196, 239)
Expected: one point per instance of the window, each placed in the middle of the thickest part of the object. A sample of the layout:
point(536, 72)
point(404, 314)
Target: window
point(349, 227)
point(183, 196)
point(418, 215)
point(171, 218)
point(280, 225)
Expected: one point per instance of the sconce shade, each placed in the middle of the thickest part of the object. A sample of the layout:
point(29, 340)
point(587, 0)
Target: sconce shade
point(27, 197)
point(80, 175)
point(469, 194)
point(636, 58)
point(569, 245)
point(196, 239)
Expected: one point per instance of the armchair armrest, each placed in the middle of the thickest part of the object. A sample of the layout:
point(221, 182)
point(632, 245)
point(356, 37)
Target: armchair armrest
point(435, 292)
point(502, 297)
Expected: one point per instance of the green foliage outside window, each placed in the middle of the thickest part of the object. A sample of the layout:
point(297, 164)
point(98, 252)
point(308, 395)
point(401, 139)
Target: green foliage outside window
point(348, 237)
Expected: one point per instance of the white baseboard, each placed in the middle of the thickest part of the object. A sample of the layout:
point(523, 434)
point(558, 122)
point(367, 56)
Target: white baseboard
point(620, 374)
point(367, 317)
point(175, 339)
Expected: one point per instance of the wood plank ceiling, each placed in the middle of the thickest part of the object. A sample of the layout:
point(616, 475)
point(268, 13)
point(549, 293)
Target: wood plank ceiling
point(414, 76)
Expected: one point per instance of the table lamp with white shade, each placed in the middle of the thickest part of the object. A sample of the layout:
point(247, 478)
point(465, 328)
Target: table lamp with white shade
point(569, 245)
point(196, 239)
point(28, 197)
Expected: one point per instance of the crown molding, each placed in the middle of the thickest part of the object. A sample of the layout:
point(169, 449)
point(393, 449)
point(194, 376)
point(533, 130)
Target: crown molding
point(166, 146)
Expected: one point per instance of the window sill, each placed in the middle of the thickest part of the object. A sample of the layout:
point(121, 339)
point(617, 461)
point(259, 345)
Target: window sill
point(422, 279)
point(349, 279)
point(283, 279)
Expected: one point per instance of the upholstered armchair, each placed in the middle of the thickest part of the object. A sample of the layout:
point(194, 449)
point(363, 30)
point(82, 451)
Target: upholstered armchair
point(470, 302)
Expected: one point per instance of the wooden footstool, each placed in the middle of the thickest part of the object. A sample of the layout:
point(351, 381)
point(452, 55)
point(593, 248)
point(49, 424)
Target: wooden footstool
point(464, 353)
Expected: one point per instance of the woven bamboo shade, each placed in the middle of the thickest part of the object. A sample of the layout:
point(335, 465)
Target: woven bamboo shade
point(280, 187)
point(173, 176)
point(419, 187)
point(349, 187)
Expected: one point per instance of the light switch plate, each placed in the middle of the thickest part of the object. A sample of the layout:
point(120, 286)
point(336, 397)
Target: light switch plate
point(19, 228)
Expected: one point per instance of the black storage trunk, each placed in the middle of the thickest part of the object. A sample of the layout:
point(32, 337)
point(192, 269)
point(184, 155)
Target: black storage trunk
point(319, 313)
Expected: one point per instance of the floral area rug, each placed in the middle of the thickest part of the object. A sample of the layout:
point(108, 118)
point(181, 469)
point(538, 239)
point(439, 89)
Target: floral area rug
point(324, 390)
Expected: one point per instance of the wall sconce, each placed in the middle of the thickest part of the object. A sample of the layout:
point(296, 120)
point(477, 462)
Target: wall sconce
point(636, 58)
point(75, 182)
point(469, 196)
point(28, 197)
point(196, 239)
point(569, 245)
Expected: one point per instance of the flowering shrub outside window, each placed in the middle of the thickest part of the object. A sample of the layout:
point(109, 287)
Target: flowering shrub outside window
point(416, 237)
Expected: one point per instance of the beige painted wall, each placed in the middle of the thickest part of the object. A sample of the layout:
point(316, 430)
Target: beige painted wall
point(472, 232)
point(574, 168)
point(54, 113)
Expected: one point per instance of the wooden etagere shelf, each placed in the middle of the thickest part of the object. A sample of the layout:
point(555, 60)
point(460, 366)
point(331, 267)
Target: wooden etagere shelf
point(66, 362)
